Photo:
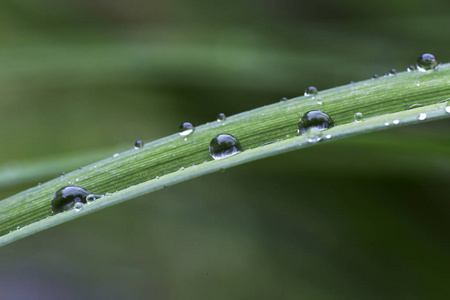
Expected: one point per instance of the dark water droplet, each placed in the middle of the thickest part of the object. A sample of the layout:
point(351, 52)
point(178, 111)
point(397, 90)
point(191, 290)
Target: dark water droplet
point(310, 91)
point(138, 144)
point(314, 118)
point(224, 145)
point(393, 71)
point(426, 61)
point(375, 76)
point(411, 68)
point(416, 106)
point(221, 117)
point(186, 128)
point(66, 197)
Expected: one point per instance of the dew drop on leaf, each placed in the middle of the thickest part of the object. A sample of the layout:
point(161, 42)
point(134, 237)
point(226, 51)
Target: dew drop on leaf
point(221, 117)
point(314, 118)
point(138, 144)
point(411, 68)
point(186, 128)
point(224, 145)
point(66, 198)
point(426, 62)
point(311, 91)
point(358, 117)
point(422, 116)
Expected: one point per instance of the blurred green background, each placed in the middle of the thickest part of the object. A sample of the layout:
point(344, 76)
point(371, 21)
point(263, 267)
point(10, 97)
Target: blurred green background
point(361, 218)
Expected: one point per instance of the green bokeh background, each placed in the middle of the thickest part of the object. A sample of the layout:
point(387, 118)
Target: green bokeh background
point(361, 218)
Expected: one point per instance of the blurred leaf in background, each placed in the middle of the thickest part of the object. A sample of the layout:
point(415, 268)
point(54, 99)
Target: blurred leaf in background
point(359, 218)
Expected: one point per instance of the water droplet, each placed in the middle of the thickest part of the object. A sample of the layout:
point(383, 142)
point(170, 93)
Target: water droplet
point(426, 61)
point(393, 72)
point(311, 91)
point(116, 155)
point(284, 99)
point(78, 206)
point(224, 145)
point(66, 198)
point(186, 128)
point(422, 116)
point(221, 117)
point(268, 143)
point(39, 184)
point(386, 123)
point(90, 198)
point(138, 144)
point(319, 101)
point(395, 122)
point(76, 180)
point(417, 105)
point(62, 174)
point(314, 118)
point(328, 136)
point(313, 135)
point(411, 68)
point(447, 109)
point(358, 117)
point(375, 76)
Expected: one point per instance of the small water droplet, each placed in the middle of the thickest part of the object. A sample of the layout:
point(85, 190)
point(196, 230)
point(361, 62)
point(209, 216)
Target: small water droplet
point(411, 68)
point(447, 109)
point(284, 99)
point(358, 117)
point(417, 105)
point(39, 184)
point(62, 174)
point(138, 144)
point(375, 76)
point(224, 145)
point(422, 116)
point(78, 206)
point(66, 198)
point(268, 143)
point(319, 101)
point(393, 72)
point(185, 139)
point(313, 135)
point(314, 118)
point(328, 136)
point(426, 62)
point(90, 198)
point(311, 91)
point(186, 128)
point(386, 123)
point(116, 155)
point(221, 117)
point(395, 122)
point(76, 180)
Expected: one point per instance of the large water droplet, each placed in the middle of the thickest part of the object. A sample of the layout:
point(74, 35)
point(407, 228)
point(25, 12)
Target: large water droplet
point(221, 117)
point(314, 118)
point(224, 145)
point(66, 198)
point(426, 61)
point(138, 144)
point(422, 116)
point(186, 128)
point(358, 117)
point(313, 135)
point(311, 91)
